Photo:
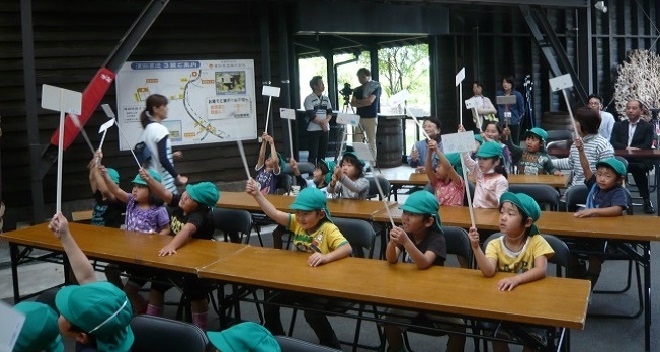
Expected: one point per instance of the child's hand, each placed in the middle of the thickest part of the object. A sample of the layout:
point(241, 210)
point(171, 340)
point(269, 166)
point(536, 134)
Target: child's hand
point(337, 173)
point(316, 259)
point(181, 180)
point(293, 164)
point(558, 173)
point(485, 137)
point(268, 138)
point(167, 250)
point(474, 238)
point(578, 144)
point(398, 236)
point(506, 132)
point(414, 155)
point(252, 187)
point(507, 284)
point(585, 213)
point(59, 225)
point(102, 170)
point(433, 145)
point(461, 128)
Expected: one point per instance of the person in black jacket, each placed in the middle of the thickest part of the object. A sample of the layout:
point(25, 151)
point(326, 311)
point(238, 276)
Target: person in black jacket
point(636, 134)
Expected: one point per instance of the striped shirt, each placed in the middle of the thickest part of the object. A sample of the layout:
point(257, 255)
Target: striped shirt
point(596, 148)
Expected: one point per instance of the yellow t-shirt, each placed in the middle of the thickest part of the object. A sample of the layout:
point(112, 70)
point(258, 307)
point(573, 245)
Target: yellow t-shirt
point(511, 262)
point(324, 240)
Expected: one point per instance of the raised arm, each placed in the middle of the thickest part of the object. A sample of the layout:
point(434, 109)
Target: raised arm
point(156, 187)
point(453, 175)
point(80, 265)
point(262, 152)
point(111, 188)
point(280, 217)
point(488, 266)
point(273, 156)
point(584, 162)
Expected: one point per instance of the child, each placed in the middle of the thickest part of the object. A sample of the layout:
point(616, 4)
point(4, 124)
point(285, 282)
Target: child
point(420, 238)
point(268, 166)
point(533, 160)
point(40, 331)
point(519, 251)
point(348, 181)
point(493, 132)
point(606, 198)
point(188, 219)
point(246, 336)
point(96, 314)
point(448, 185)
point(314, 233)
point(108, 210)
point(145, 214)
point(489, 174)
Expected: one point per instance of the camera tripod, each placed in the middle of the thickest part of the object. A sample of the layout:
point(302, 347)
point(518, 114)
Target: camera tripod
point(342, 136)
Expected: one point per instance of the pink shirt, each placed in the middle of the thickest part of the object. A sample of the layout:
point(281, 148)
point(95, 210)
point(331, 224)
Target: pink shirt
point(448, 192)
point(489, 187)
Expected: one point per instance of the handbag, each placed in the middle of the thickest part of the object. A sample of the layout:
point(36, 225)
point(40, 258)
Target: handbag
point(142, 153)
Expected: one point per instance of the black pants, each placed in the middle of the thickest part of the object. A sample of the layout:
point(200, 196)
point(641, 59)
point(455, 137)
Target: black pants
point(318, 145)
point(639, 170)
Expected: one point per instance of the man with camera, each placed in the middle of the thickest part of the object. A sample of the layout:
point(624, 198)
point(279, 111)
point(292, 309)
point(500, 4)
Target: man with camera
point(319, 113)
point(366, 98)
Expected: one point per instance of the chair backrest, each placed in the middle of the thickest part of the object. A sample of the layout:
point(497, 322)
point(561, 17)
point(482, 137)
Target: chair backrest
point(373, 188)
point(290, 344)
point(576, 195)
point(558, 135)
point(559, 147)
point(154, 334)
point(305, 167)
point(543, 194)
point(458, 243)
point(284, 183)
point(232, 221)
point(629, 210)
point(471, 188)
point(561, 258)
point(359, 233)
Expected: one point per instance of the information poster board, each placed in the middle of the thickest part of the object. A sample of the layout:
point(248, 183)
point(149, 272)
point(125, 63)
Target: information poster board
point(209, 100)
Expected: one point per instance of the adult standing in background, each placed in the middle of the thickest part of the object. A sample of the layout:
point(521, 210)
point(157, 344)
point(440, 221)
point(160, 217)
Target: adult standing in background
point(319, 112)
point(606, 119)
point(636, 134)
point(366, 98)
point(484, 109)
point(512, 117)
point(417, 157)
point(156, 137)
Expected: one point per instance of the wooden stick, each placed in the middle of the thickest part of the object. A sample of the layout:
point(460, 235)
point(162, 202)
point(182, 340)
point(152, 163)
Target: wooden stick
point(419, 125)
point(129, 145)
point(467, 190)
point(270, 98)
point(242, 152)
point(570, 111)
point(60, 155)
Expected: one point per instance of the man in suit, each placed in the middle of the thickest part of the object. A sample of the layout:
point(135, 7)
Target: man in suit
point(636, 134)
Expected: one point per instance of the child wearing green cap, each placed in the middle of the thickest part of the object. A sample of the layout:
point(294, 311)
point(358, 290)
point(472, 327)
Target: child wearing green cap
point(489, 173)
point(421, 240)
point(107, 210)
point(519, 251)
point(533, 160)
point(268, 166)
point(40, 331)
point(96, 314)
point(348, 180)
point(448, 185)
point(243, 337)
point(314, 233)
point(188, 219)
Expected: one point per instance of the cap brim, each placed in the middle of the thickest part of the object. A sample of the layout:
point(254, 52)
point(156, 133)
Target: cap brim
point(62, 301)
point(218, 340)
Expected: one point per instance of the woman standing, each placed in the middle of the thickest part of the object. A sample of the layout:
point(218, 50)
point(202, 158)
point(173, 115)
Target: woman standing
point(156, 137)
point(511, 115)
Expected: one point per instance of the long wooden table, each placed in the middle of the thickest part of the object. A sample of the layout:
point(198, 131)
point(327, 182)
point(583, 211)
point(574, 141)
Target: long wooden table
point(638, 229)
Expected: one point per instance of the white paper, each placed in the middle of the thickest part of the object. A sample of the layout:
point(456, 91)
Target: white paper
point(108, 111)
point(505, 99)
point(470, 103)
point(561, 82)
point(60, 99)
point(460, 76)
point(461, 142)
point(270, 91)
point(288, 114)
point(399, 97)
point(363, 152)
point(415, 112)
point(348, 119)
point(10, 326)
point(106, 125)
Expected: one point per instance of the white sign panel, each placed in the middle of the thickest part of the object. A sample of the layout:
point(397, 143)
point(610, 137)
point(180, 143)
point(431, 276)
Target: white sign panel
point(208, 100)
point(60, 99)
point(460, 76)
point(288, 114)
point(461, 142)
point(470, 103)
point(348, 119)
point(270, 91)
point(362, 151)
point(10, 326)
point(399, 97)
point(561, 82)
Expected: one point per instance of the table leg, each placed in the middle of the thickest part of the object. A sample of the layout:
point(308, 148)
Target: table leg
point(647, 295)
point(13, 252)
point(657, 186)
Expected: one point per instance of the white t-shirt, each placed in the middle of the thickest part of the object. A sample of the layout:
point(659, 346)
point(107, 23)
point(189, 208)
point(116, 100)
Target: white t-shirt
point(606, 124)
point(321, 105)
point(153, 133)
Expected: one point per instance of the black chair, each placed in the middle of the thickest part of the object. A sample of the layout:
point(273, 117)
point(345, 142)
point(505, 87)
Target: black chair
point(234, 223)
point(155, 334)
point(558, 135)
point(575, 196)
point(384, 186)
point(290, 344)
point(543, 194)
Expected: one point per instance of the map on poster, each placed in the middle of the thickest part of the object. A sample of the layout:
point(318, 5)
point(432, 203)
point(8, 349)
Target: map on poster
point(209, 100)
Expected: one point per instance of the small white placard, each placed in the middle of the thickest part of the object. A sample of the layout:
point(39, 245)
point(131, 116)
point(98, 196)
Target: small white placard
point(363, 152)
point(561, 82)
point(108, 111)
point(348, 119)
point(288, 114)
point(461, 142)
point(106, 125)
point(415, 112)
point(505, 99)
point(460, 76)
point(270, 91)
point(60, 99)
point(399, 97)
point(10, 326)
point(470, 103)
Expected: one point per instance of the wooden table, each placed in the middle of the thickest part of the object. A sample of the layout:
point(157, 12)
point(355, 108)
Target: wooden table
point(556, 302)
point(637, 229)
point(345, 208)
point(115, 245)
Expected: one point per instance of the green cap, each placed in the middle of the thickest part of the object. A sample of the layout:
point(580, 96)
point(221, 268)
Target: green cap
point(541, 133)
point(614, 164)
point(351, 154)
point(40, 331)
point(155, 175)
point(490, 150)
point(311, 198)
point(100, 309)
point(423, 202)
point(113, 174)
point(527, 205)
point(244, 337)
point(327, 168)
point(204, 193)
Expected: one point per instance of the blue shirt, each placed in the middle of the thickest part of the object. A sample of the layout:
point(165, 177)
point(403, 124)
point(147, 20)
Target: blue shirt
point(365, 91)
point(600, 198)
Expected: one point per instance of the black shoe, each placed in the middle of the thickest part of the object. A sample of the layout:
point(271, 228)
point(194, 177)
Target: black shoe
point(648, 207)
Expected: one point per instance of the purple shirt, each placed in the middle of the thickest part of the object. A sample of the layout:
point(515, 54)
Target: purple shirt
point(149, 220)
